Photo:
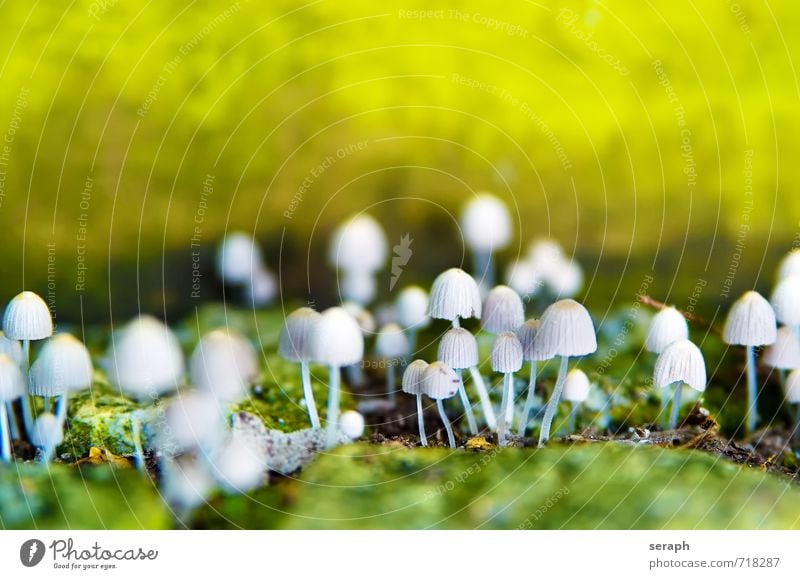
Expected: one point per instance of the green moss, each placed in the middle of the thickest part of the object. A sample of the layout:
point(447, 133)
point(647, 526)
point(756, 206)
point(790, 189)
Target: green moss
point(69, 497)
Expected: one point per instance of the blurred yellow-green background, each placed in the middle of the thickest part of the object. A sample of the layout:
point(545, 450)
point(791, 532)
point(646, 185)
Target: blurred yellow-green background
point(648, 138)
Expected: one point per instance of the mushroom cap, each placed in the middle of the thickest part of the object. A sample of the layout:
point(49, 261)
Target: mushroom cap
point(261, 287)
point(240, 465)
point(411, 307)
point(47, 431)
point(391, 342)
point(565, 329)
point(486, 223)
point(63, 365)
point(523, 277)
point(784, 354)
point(12, 381)
point(506, 353)
point(790, 264)
point(27, 317)
point(751, 322)
point(412, 377)
point(667, 326)
point(565, 278)
point(295, 341)
point(503, 310)
point(359, 245)
point(358, 286)
point(145, 358)
point(337, 339)
point(681, 361)
point(186, 482)
point(193, 420)
point(454, 294)
point(362, 316)
point(11, 348)
point(544, 255)
point(223, 364)
point(458, 348)
point(439, 381)
point(576, 386)
point(352, 424)
point(786, 301)
point(526, 334)
point(793, 387)
point(238, 258)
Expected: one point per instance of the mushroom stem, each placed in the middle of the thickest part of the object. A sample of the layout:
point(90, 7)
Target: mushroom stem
point(5, 440)
point(462, 392)
point(421, 421)
point(752, 393)
point(663, 413)
point(676, 406)
point(526, 411)
point(27, 414)
point(12, 420)
point(390, 379)
point(308, 394)
point(552, 405)
point(333, 407)
point(573, 418)
point(503, 427)
point(796, 434)
point(447, 427)
point(47, 454)
point(782, 379)
point(412, 340)
point(355, 375)
point(483, 268)
point(456, 323)
point(46, 403)
point(61, 407)
point(483, 395)
point(509, 406)
point(138, 450)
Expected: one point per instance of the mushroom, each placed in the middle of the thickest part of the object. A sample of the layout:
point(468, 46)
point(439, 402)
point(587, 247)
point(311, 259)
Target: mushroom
point(680, 363)
point(261, 288)
point(145, 359)
point(392, 346)
point(751, 322)
point(223, 364)
point(459, 350)
point(63, 366)
point(785, 301)
point(192, 421)
point(790, 264)
point(527, 337)
point(667, 326)
point(239, 465)
point(47, 434)
point(565, 278)
point(576, 391)
point(523, 277)
point(440, 382)
point(12, 386)
point(13, 350)
point(359, 249)
point(566, 329)
point(336, 341)
point(411, 308)
point(506, 359)
point(486, 226)
point(352, 424)
point(412, 384)
point(366, 321)
point(27, 318)
point(784, 354)
point(793, 398)
point(241, 264)
point(295, 346)
point(454, 295)
point(503, 312)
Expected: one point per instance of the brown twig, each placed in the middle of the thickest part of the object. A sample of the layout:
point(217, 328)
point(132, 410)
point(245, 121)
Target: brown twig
point(653, 303)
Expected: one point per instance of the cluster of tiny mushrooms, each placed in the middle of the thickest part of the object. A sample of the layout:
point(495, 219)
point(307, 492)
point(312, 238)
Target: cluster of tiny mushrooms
point(145, 361)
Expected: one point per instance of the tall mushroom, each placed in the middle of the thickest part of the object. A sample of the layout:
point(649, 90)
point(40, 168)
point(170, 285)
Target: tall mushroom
point(666, 327)
point(412, 384)
point(459, 350)
point(392, 347)
point(751, 323)
point(527, 337)
point(506, 359)
point(680, 363)
point(566, 330)
point(62, 366)
point(440, 382)
point(486, 226)
point(295, 346)
point(27, 318)
point(359, 249)
point(12, 386)
point(336, 341)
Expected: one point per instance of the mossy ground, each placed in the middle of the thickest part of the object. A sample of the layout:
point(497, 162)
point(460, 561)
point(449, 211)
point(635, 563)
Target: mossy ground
point(391, 483)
